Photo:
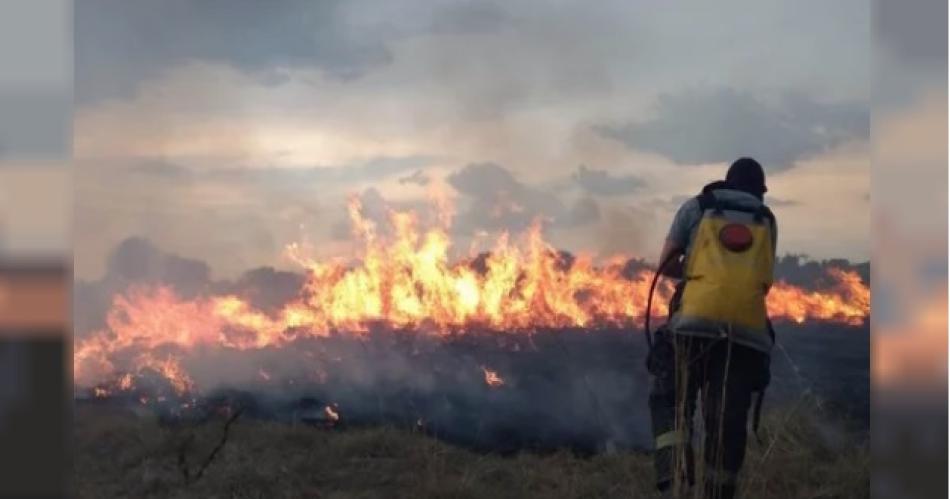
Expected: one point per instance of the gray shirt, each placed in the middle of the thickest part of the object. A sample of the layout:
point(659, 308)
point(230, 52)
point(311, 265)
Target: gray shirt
point(689, 215)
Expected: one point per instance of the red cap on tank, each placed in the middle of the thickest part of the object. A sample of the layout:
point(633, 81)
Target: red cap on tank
point(735, 237)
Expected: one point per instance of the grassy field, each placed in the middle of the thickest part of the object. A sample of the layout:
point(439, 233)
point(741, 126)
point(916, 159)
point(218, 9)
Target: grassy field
point(121, 454)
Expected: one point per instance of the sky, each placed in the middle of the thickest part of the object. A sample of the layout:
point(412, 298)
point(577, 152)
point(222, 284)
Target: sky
point(226, 130)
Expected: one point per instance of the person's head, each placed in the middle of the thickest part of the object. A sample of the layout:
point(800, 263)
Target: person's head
point(746, 174)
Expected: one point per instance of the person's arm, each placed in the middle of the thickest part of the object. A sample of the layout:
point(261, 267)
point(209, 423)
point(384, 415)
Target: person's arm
point(673, 251)
point(678, 238)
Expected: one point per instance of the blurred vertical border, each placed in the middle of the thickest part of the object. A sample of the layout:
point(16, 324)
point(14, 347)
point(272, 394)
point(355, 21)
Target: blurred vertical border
point(909, 256)
point(36, 88)
point(909, 249)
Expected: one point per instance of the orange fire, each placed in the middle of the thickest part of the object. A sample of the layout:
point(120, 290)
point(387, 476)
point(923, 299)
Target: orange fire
point(848, 301)
point(408, 281)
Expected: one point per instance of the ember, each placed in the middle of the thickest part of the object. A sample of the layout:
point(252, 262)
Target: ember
point(492, 378)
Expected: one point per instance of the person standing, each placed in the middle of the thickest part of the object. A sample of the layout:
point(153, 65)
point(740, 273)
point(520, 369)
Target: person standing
point(716, 346)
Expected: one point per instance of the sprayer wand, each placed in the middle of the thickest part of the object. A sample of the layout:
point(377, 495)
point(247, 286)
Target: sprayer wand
point(656, 277)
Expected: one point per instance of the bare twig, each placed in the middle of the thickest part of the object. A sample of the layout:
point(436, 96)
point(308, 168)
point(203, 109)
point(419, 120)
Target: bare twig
point(224, 439)
point(186, 445)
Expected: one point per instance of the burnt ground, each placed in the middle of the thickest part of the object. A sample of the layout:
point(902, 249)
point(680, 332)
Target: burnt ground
point(582, 390)
point(417, 419)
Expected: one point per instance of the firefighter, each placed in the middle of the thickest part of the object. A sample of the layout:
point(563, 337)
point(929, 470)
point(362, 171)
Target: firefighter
point(715, 348)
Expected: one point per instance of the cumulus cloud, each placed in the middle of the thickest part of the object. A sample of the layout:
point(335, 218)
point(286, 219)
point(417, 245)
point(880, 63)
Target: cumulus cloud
point(601, 182)
point(719, 126)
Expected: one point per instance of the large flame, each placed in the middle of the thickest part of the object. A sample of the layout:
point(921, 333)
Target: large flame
point(407, 281)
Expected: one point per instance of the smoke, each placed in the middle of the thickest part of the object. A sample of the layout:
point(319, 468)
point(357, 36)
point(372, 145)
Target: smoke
point(625, 229)
point(136, 262)
point(418, 178)
point(800, 271)
point(688, 128)
point(498, 201)
point(601, 182)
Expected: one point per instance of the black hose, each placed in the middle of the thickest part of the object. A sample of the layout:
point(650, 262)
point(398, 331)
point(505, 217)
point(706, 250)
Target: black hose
point(656, 277)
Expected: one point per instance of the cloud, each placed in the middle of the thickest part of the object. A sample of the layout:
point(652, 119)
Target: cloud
point(120, 44)
point(417, 178)
point(679, 199)
point(469, 17)
point(781, 202)
point(585, 211)
point(484, 180)
point(238, 33)
point(162, 169)
point(373, 169)
point(603, 183)
point(697, 128)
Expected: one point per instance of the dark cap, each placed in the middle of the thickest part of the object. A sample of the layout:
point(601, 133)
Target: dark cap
point(746, 174)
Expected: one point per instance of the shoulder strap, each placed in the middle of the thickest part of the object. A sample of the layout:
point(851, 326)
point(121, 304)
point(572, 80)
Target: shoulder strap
point(707, 201)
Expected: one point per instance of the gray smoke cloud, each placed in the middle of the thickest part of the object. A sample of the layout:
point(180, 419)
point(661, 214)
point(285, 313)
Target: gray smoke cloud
point(373, 169)
point(136, 261)
point(718, 126)
point(238, 33)
point(418, 178)
point(602, 182)
point(498, 201)
point(342, 39)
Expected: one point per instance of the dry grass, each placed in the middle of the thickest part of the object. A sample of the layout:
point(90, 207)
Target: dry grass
point(120, 454)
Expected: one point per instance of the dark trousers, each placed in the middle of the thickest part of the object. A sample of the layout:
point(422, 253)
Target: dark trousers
point(721, 376)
